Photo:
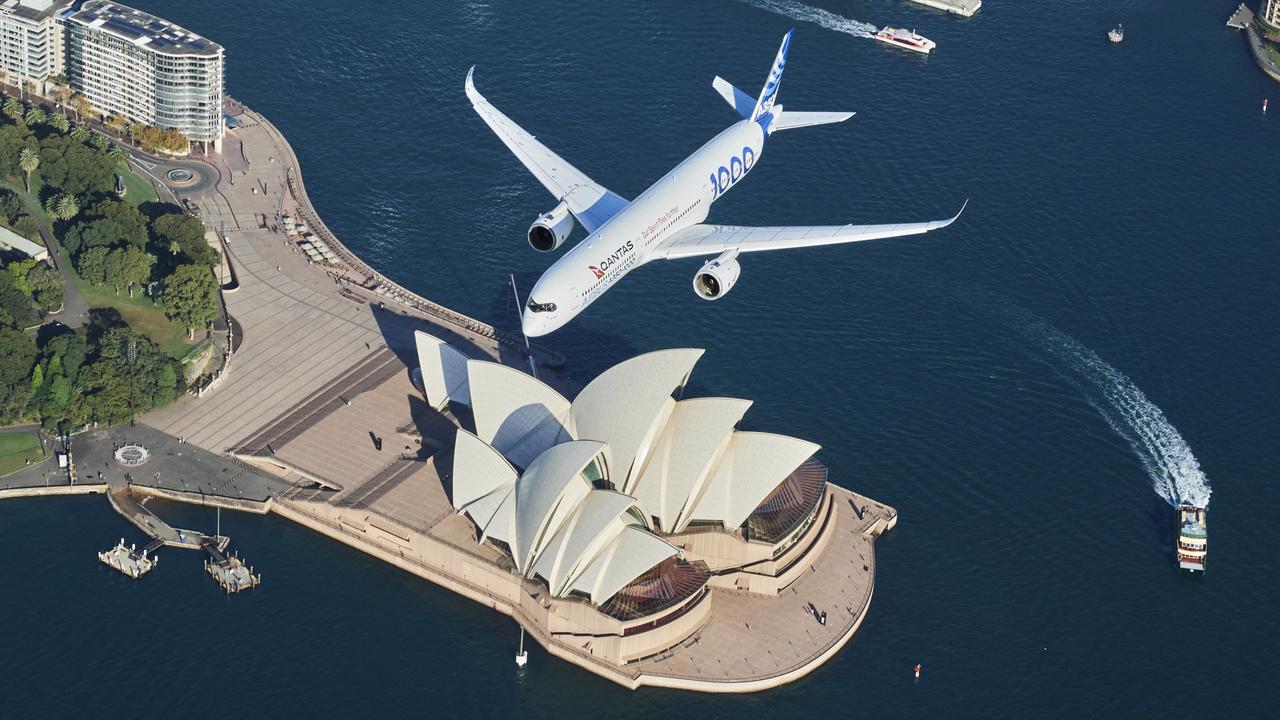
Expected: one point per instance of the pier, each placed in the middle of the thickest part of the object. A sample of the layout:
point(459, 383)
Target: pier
point(964, 8)
point(128, 560)
point(230, 572)
point(1241, 18)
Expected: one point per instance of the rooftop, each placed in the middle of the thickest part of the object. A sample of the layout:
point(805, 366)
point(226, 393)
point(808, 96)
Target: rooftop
point(32, 9)
point(10, 239)
point(140, 28)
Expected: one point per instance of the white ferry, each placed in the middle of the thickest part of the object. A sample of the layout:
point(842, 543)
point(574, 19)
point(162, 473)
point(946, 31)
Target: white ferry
point(1193, 537)
point(906, 39)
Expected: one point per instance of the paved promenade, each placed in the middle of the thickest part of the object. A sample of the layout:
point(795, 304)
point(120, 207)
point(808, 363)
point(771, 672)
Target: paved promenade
point(301, 329)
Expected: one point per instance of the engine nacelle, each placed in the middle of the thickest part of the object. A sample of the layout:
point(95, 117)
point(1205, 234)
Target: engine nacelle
point(551, 229)
point(716, 277)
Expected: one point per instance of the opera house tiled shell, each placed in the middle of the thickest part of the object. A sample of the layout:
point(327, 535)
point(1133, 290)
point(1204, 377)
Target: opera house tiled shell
point(629, 498)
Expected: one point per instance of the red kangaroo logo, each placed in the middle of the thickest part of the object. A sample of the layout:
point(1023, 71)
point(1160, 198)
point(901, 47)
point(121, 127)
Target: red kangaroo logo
point(598, 272)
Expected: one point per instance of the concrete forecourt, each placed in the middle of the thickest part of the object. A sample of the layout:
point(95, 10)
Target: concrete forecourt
point(631, 531)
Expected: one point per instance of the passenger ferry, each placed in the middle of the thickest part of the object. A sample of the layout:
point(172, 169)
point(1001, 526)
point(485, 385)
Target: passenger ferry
point(1193, 537)
point(909, 40)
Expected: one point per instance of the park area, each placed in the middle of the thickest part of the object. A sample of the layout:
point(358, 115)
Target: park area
point(18, 449)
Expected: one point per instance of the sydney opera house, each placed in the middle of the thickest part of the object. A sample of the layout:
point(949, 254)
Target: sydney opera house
point(628, 504)
point(632, 530)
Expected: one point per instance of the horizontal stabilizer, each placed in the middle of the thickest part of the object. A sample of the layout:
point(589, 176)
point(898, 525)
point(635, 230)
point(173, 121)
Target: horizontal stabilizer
point(788, 119)
point(738, 100)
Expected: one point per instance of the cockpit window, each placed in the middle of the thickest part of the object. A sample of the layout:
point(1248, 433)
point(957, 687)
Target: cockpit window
point(541, 307)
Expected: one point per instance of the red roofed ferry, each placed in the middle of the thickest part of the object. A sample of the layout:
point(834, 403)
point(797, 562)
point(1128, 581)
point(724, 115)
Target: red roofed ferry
point(909, 40)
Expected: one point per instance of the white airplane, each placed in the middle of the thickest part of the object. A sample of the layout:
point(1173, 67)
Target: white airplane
point(665, 222)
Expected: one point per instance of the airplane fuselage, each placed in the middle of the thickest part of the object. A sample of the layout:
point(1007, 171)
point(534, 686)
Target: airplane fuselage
point(679, 199)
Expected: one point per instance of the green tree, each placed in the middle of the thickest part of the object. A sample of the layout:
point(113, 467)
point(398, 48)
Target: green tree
point(60, 122)
point(19, 269)
point(108, 222)
point(17, 355)
point(69, 165)
point(92, 265)
point(62, 206)
point(188, 233)
point(128, 375)
point(35, 116)
point(46, 286)
point(28, 160)
point(80, 133)
point(14, 109)
point(37, 378)
point(15, 304)
point(10, 206)
point(190, 296)
point(100, 141)
point(118, 154)
point(128, 267)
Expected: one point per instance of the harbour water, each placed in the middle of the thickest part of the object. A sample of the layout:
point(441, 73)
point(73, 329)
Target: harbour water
point(1124, 194)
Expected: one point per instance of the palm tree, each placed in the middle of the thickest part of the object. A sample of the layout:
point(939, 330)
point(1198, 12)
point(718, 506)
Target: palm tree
point(64, 206)
point(60, 122)
point(35, 116)
point(100, 141)
point(80, 133)
point(13, 108)
point(28, 160)
point(118, 154)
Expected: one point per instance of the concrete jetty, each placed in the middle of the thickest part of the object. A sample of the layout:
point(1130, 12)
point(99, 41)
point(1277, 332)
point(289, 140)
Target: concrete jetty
point(1241, 18)
point(230, 572)
point(128, 560)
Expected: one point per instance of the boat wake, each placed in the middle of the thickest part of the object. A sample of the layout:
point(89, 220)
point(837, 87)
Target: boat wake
point(1174, 471)
point(806, 13)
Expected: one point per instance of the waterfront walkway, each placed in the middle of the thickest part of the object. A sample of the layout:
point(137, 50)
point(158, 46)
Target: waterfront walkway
point(303, 326)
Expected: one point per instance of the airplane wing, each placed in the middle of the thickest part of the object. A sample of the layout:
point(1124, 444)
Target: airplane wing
point(590, 202)
point(715, 239)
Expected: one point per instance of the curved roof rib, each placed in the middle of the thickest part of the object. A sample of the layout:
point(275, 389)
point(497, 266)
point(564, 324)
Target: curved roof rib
point(627, 405)
point(753, 465)
point(684, 457)
point(515, 412)
point(631, 554)
point(444, 371)
point(597, 521)
point(546, 494)
point(478, 470)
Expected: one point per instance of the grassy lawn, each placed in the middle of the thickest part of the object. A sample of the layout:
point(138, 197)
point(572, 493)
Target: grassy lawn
point(16, 448)
point(1273, 51)
point(139, 311)
point(138, 190)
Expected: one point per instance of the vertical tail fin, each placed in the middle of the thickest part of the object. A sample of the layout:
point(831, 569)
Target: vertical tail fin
point(770, 91)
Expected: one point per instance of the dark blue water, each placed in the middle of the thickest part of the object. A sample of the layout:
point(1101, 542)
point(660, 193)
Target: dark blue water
point(1124, 194)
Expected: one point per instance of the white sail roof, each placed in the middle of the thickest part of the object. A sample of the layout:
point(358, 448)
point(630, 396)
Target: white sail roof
point(753, 465)
point(444, 371)
point(548, 491)
point(685, 455)
point(478, 469)
point(596, 522)
point(627, 405)
point(631, 554)
point(515, 412)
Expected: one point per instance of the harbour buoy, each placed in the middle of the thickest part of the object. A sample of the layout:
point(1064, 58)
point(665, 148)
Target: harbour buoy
point(917, 671)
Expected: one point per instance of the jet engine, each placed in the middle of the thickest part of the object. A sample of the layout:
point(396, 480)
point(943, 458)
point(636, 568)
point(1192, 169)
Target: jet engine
point(717, 277)
point(551, 229)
